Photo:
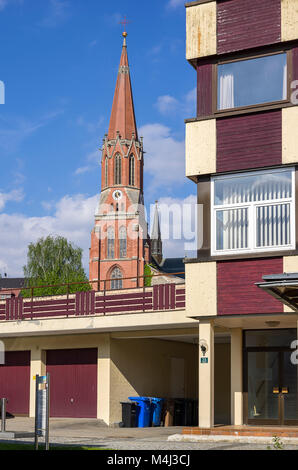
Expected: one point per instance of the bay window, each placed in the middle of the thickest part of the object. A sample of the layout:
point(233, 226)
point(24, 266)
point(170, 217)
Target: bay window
point(253, 211)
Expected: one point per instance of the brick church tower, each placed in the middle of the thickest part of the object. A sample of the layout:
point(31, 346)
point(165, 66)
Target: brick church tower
point(119, 240)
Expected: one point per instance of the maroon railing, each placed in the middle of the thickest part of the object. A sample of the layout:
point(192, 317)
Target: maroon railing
point(145, 299)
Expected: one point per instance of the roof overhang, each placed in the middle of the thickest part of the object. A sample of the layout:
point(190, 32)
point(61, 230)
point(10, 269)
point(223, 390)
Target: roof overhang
point(284, 287)
point(258, 321)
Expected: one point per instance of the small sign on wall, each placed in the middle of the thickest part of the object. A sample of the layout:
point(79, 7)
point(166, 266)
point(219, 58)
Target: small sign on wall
point(204, 360)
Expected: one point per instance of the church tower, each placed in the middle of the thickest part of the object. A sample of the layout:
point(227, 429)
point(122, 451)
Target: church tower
point(119, 240)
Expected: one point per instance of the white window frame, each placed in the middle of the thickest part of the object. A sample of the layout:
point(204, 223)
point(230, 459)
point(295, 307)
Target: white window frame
point(252, 215)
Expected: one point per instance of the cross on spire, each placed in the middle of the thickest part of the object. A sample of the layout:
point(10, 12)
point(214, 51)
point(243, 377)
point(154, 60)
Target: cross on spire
point(124, 23)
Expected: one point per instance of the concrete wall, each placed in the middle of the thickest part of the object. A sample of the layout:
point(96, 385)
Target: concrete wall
point(201, 289)
point(289, 20)
point(200, 147)
point(201, 30)
point(142, 367)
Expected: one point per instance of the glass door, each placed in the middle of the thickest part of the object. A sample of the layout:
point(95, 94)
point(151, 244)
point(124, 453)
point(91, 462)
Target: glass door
point(263, 382)
point(272, 387)
point(289, 389)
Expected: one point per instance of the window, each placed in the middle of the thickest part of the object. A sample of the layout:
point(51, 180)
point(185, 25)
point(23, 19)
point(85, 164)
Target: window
point(252, 81)
point(118, 169)
point(107, 171)
point(131, 170)
point(111, 243)
point(116, 279)
point(122, 242)
point(253, 211)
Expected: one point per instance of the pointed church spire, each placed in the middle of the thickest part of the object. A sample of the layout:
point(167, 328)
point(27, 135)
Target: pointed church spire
point(156, 242)
point(123, 115)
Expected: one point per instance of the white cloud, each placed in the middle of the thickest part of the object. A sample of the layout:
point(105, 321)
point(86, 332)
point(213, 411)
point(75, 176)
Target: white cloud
point(176, 3)
point(3, 4)
point(14, 132)
point(58, 12)
point(164, 158)
point(15, 195)
point(167, 104)
point(73, 219)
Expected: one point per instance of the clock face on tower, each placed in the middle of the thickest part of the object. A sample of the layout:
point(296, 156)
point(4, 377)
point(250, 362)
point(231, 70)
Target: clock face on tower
point(117, 195)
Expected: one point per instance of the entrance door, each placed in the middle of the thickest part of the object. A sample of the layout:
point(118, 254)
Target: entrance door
point(271, 387)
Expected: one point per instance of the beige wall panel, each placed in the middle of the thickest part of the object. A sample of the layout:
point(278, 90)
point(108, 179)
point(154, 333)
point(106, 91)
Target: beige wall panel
point(206, 377)
point(236, 378)
point(200, 147)
point(37, 367)
point(201, 30)
point(290, 266)
point(143, 368)
point(201, 289)
point(289, 20)
point(289, 135)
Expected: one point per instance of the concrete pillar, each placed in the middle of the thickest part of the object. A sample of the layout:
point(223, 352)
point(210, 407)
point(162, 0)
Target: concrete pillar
point(37, 367)
point(206, 376)
point(104, 379)
point(236, 377)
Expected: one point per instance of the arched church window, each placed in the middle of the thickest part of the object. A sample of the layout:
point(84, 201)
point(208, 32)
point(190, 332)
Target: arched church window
point(122, 242)
point(118, 169)
point(111, 243)
point(107, 171)
point(131, 170)
point(116, 279)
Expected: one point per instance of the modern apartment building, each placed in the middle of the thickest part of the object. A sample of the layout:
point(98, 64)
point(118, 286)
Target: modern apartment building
point(242, 154)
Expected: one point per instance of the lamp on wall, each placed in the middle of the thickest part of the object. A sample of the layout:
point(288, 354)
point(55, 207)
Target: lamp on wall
point(204, 346)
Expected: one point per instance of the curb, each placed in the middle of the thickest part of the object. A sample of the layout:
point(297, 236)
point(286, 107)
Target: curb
point(239, 439)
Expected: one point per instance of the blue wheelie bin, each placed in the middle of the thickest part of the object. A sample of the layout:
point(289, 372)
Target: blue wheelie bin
point(144, 412)
point(157, 404)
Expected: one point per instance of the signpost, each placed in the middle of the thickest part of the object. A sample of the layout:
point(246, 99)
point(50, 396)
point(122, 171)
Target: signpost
point(42, 409)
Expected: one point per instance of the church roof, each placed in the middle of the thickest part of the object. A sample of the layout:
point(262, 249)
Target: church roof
point(123, 115)
point(172, 266)
point(12, 283)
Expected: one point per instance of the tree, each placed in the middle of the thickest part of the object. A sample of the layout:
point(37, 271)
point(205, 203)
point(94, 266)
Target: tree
point(52, 261)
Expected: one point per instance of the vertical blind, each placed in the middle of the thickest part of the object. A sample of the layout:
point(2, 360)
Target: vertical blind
point(257, 192)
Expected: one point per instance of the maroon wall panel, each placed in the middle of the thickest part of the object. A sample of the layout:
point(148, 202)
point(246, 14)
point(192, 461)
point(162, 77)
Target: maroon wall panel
point(249, 141)
point(204, 89)
point(73, 383)
point(243, 24)
point(236, 290)
point(15, 382)
point(295, 63)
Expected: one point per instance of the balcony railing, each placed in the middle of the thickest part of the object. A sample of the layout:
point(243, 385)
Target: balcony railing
point(160, 297)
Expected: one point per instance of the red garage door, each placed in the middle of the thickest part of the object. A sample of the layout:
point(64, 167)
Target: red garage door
point(73, 383)
point(15, 382)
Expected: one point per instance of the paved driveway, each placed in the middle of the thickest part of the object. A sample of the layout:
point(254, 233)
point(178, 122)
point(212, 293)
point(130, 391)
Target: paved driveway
point(92, 432)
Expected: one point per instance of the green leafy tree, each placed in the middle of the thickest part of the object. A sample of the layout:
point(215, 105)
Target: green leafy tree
point(148, 275)
point(52, 261)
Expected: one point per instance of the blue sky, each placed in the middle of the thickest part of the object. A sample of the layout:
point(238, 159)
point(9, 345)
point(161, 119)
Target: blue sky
point(59, 61)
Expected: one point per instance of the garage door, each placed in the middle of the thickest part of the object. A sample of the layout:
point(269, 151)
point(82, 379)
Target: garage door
point(73, 383)
point(15, 382)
